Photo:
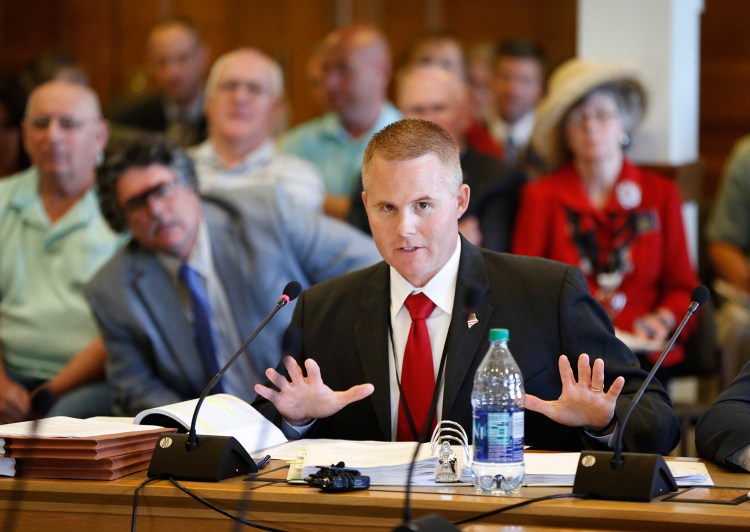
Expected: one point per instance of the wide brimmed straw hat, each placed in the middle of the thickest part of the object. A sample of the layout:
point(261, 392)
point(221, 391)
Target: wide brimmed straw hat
point(570, 82)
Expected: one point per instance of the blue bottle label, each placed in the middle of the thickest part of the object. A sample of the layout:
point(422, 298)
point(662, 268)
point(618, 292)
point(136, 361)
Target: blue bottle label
point(498, 435)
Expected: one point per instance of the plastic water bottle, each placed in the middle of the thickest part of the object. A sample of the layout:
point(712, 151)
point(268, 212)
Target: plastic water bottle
point(498, 396)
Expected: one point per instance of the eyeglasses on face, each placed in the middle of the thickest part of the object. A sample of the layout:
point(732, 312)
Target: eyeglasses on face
point(137, 204)
point(66, 123)
point(579, 117)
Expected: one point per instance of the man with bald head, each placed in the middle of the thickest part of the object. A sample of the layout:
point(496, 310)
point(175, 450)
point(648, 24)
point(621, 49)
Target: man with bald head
point(53, 240)
point(178, 60)
point(244, 105)
point(356, 67)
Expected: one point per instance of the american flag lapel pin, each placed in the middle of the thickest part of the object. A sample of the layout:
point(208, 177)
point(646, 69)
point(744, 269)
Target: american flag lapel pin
point(472, 320)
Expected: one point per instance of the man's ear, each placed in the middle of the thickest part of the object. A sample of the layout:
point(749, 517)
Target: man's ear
point(462, 201)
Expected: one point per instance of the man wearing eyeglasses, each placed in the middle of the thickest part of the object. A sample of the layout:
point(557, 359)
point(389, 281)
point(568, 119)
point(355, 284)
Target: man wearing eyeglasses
point(244, 107)
point(53, 240)
point(200, 274)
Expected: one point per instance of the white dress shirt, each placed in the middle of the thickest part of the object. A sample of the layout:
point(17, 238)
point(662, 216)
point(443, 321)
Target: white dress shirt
point(265, 164)
point(226, 336)
point(441, 289)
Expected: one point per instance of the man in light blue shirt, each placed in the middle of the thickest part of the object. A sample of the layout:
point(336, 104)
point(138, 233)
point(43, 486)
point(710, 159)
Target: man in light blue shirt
point(356, 72)
point(53, 240)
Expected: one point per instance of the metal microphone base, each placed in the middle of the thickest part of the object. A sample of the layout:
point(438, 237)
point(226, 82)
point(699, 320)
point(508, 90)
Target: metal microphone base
point(641, 477)
point(432, 522)
point(214, 458)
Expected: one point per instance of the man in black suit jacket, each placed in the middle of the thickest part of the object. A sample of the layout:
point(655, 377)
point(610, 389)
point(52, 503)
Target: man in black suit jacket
point(723, 432)
point(352, 334)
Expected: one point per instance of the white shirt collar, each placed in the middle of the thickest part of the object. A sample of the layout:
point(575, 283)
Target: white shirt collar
point(205, 153)
point(441, 289)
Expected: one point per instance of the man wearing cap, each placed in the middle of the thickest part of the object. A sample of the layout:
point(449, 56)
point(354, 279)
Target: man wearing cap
point(426, 311)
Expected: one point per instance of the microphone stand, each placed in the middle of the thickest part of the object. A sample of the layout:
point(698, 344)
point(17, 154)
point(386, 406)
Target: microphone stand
point(210, 458)
point(631, 476)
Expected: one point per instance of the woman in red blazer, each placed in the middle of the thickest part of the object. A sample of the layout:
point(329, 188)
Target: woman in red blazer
point(620, 224)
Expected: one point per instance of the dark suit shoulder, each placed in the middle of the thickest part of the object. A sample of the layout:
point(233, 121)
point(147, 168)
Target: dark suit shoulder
point(144, 112)
point(535, 273)
point(349, 285)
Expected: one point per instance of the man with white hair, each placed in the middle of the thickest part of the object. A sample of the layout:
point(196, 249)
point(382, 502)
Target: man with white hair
point(244, 105)
point(53, 240)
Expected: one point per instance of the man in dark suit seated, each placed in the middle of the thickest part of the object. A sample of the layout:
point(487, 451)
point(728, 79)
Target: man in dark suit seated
point(178, 60)
point(200, 274)
point(723, 432)
point(354, 328)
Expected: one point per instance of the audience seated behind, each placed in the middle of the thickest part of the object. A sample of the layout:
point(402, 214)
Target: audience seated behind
point(440, 96)
point(441, 48)
point(728, 236)
point(620, 224)
point(241, 247)
point(518, 84)
point(178, 60)
point(356, 69)
point(53, 240)
point(244, 105)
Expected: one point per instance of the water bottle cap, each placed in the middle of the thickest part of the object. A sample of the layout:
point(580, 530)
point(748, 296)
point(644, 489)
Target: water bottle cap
point(499, 335)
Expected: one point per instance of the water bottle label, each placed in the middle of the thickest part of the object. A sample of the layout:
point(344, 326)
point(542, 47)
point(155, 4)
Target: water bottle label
point(498, 436)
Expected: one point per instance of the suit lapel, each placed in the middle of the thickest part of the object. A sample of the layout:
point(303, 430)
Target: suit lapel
point(226, 243)
point(463, 343)
point(371, 336)
point(157, 293)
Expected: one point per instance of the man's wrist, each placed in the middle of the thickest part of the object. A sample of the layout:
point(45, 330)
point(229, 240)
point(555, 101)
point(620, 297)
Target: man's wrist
point(603, 431)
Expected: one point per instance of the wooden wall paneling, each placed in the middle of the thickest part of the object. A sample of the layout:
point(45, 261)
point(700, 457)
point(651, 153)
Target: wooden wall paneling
point(86, 29)
point(725, 84)
point(29, 28)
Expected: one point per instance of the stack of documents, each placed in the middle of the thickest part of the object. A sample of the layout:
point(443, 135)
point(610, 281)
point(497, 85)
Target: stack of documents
point(64, 447)
point(387, 463)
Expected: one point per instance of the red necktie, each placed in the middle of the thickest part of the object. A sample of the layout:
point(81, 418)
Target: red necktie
point(417, 372)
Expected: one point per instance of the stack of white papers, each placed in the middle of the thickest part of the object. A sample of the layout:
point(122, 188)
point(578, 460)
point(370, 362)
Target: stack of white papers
point(387, 463)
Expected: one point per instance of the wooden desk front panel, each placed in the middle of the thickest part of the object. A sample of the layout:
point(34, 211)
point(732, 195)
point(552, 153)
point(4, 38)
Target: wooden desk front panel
point(96, 505)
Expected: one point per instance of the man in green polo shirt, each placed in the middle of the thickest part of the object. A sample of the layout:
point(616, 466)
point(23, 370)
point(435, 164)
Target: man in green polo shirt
point(52, 240)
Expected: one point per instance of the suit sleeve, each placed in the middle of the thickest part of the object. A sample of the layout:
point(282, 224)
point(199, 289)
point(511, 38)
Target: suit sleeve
point(725, 428)
point(326, 247)
point(653, 426)
point(129, 371)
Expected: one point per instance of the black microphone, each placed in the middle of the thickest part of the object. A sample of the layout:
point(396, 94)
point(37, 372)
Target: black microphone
point(210, 458)
point(631, 476)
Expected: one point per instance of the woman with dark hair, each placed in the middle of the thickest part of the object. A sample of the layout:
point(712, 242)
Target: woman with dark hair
point(619, 223)
point(13, 157)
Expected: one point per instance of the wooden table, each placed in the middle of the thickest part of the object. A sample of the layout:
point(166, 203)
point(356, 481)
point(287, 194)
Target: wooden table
point(62, 505)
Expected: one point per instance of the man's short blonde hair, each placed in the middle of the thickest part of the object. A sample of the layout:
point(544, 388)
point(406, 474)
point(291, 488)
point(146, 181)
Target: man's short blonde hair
point(410, 139)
